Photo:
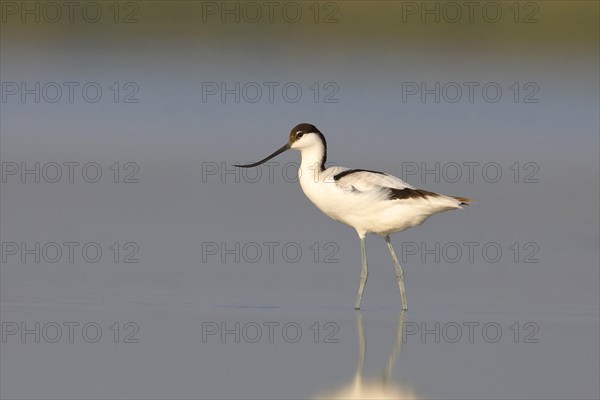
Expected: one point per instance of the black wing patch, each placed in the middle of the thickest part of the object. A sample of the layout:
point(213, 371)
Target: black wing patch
point(408, 193)
point(342, 174)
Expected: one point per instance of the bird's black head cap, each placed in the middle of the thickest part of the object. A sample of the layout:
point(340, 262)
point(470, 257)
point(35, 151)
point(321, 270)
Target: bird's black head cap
point(301, 129)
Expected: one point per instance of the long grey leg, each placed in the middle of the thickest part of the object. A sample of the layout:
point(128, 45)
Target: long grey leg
point(399, 272)
point(362, 348)
point(364, 273)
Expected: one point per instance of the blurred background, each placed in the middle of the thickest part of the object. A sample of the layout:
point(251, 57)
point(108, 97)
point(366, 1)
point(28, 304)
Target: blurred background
point(120, 122)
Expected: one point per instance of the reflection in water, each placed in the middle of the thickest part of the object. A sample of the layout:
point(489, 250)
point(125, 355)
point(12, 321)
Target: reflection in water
point(382, 388)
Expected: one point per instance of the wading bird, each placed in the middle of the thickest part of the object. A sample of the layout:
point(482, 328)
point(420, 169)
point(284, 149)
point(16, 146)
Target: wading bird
point(368, 201)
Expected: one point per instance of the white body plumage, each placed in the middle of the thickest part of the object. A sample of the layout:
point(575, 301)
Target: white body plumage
point(361, 199)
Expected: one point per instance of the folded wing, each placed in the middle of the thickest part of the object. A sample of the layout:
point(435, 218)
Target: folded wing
point(368, 181)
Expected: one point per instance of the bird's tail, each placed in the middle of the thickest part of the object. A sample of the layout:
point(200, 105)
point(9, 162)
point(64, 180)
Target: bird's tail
point(463, 201)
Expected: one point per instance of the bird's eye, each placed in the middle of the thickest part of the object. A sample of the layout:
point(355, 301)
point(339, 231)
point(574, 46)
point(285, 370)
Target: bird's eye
point(299, 134)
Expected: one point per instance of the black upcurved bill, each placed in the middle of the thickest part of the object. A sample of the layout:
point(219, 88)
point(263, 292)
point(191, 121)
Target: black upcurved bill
point(281, 150)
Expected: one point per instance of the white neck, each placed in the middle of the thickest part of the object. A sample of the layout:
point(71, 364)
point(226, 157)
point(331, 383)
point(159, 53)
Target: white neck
point(311, 159)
